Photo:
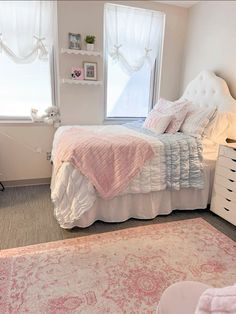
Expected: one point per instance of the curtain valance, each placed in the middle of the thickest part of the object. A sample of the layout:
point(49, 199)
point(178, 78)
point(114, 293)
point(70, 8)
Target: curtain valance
point(132, 36)
point(26, 29)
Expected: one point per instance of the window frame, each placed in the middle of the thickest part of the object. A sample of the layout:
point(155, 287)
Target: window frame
point(155, 78)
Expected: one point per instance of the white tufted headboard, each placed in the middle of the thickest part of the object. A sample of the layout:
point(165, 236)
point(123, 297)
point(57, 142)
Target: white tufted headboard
point(209, 90)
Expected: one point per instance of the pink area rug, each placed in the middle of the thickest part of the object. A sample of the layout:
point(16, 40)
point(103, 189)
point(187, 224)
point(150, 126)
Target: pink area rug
point(116, 272)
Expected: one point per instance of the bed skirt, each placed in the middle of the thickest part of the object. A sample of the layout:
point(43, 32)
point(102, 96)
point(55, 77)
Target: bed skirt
point(149, 205)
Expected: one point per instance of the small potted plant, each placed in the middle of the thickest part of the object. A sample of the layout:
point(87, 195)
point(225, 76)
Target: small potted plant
point(90, 40)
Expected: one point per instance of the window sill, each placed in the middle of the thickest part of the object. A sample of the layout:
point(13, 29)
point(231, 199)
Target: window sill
point(21, 122)
point(121, 120)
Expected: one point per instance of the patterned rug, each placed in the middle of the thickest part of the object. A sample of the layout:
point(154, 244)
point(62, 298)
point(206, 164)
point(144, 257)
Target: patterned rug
point(116, 272)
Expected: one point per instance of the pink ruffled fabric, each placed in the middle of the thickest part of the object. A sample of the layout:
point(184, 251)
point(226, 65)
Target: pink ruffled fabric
point(217, 301)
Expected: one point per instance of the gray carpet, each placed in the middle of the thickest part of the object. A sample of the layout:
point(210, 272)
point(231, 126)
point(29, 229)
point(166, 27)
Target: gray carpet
point(26, 217)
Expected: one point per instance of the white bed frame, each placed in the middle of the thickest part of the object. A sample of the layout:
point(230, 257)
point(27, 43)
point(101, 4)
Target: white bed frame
point(204, 91)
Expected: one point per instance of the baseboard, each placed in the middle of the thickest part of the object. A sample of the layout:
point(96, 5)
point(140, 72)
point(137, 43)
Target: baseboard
point(27, 182)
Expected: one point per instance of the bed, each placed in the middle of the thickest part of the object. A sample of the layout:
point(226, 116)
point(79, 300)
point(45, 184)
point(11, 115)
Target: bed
point(76, 202)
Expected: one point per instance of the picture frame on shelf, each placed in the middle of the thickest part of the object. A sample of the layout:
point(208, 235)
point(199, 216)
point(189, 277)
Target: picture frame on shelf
point(77, 73)
point(74, 41)
point(90, 71)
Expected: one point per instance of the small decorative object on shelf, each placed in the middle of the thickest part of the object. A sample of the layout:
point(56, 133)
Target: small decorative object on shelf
point(90, 40)
point(90, 71)
point(77, 73)
point(74, 41)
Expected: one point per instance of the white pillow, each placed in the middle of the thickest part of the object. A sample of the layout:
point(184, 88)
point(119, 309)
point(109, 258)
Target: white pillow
point(221, 127)
point(177, 109)
point(196, 121)
point(157, 121)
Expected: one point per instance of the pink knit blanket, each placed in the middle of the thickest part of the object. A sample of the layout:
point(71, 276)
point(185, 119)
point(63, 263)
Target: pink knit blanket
point(218, 301)
point(109, 161)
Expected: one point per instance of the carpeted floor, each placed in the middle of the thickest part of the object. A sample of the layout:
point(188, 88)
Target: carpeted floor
point(26, 217)
point(118, 272)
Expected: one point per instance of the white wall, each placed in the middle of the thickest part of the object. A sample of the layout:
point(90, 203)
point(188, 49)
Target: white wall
point(84, 104)
point(17, 160)
point(211, 41)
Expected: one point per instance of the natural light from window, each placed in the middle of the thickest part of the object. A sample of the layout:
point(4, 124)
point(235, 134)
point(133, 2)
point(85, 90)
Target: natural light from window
point(24, 86)
point(127, 96)
point(133, 41)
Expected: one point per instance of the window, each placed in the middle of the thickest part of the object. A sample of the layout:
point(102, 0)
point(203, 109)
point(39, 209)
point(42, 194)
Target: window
point(25, 75)
point(24, 86)
point(133, 44)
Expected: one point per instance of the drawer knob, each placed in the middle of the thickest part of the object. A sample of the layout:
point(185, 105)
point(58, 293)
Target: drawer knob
point(234, 160)
point(230, 190)
point(227, 199)
point(226, 209)
point(232, 170)
point(231, 180)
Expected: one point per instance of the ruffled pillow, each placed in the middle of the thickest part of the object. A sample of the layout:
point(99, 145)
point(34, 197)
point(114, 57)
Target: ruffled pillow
point(157, 122)
point(177, 109)
point(196, 121)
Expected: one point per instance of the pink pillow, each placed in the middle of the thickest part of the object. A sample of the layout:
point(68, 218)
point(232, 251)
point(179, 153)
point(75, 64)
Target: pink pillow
point(157, 122)
point(177, 109)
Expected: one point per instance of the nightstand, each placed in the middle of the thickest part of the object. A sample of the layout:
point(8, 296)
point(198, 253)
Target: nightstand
point(223, 201)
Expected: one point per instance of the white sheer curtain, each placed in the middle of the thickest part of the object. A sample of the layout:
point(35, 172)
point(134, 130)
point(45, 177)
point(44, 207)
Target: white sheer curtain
point(132, 36)
point(26, 29)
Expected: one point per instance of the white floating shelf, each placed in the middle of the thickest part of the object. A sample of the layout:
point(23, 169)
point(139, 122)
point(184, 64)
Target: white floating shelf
point(82, 52)
point(82, 82)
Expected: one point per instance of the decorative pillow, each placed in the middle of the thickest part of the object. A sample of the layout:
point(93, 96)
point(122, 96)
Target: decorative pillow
point(197, 120)
point(177, 109)
point(220, 127)
point(157, 122)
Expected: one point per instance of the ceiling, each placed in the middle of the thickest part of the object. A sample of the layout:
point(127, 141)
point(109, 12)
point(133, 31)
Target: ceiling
point(185, 4)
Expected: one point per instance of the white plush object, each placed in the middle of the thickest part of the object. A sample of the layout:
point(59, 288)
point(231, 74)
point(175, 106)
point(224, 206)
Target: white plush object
point(196, 121)
point(157, 122)
point(51, 116)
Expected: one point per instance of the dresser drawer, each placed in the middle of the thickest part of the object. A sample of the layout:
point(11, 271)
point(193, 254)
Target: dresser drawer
point(224, 192)
point(225, 182)
point(223, 208)
point(227, 152)
point(226, 172)
point(227, 162)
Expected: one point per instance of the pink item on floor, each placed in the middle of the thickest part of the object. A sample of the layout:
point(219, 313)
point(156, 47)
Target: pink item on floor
point(217, 301)
point(181, 298)
point(109, 161)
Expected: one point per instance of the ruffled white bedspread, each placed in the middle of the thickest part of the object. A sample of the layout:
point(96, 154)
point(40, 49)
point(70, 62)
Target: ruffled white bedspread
point(73, 194)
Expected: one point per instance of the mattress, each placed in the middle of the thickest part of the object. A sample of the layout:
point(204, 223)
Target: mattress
point(138, 201)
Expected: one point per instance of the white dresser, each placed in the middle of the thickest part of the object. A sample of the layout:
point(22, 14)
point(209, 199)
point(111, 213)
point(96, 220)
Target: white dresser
point(223, 201)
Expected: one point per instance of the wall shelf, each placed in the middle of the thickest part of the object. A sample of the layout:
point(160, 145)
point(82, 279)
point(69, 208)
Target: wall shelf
point(82, 82)
point(82, 52)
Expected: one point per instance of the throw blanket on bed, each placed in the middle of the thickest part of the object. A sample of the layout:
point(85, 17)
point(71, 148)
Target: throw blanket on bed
point(109, 160)
point(217, 301)
point(183, 157)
